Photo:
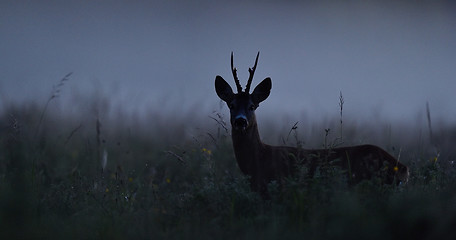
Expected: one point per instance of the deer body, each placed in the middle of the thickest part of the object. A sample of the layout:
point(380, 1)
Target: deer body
point(265, 163)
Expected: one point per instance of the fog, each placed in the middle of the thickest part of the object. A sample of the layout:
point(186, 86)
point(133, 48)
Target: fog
point(387, 58)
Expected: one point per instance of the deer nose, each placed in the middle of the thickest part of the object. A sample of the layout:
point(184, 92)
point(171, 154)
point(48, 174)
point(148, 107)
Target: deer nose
point(240, 122)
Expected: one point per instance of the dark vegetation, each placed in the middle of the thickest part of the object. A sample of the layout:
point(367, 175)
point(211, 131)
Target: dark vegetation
point(98, 175)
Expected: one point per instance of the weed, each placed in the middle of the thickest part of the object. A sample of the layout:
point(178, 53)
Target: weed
point(53, 185)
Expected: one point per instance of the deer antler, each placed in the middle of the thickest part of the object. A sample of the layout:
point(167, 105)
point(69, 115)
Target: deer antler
point(236, 80)
point(251, 71)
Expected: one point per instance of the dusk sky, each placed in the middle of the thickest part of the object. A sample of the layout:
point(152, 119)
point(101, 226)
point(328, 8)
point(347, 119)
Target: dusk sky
point(387, 57)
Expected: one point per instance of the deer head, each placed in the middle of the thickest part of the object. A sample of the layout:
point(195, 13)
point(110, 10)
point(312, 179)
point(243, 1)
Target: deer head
point(242, 104)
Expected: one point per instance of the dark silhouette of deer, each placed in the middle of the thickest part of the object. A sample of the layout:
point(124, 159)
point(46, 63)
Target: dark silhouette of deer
point(265, 163)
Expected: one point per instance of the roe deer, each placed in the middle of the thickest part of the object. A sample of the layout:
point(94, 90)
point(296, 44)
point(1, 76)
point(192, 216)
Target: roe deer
point(264, 163)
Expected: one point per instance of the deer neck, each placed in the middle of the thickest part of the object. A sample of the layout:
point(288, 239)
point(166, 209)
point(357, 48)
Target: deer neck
point(247, 146)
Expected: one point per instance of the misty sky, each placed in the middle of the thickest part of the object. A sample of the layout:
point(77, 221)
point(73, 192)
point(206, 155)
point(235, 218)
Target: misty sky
point(387, 58)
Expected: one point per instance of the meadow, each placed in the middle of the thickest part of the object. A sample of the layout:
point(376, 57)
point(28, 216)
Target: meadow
point(100, 174)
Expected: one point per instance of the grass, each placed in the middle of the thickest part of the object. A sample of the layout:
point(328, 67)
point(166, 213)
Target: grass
point(109, 177)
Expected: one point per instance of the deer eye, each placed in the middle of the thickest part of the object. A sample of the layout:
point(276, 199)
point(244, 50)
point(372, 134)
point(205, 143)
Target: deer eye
point(230, 106)
point(252, 107)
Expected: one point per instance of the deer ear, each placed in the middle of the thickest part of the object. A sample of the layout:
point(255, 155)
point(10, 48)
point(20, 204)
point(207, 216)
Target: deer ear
point(223, 89)
point(261, 91)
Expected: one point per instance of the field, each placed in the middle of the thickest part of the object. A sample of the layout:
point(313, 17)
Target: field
point(104, 175)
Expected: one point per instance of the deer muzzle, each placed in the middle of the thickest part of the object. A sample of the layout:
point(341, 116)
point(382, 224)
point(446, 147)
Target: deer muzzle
point(240, 122)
